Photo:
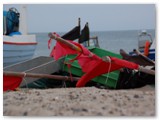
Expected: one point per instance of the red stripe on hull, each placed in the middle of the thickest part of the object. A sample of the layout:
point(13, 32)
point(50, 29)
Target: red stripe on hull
point(13, 43)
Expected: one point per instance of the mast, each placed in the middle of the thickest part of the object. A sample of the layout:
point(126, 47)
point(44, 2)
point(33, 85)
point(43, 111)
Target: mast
point(23, 18)
point(79, 24)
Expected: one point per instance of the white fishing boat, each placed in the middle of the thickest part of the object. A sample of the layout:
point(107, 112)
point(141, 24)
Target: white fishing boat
point(146, 45)
point(18, 45)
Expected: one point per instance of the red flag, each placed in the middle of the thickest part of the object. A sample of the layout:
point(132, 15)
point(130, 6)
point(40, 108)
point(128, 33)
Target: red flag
point(60, 50)
point(90, 63)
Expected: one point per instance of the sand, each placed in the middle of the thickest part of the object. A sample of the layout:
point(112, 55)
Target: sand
point(87, 101)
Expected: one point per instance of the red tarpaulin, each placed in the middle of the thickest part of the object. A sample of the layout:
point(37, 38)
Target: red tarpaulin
point(11, 82)
point(90, 63)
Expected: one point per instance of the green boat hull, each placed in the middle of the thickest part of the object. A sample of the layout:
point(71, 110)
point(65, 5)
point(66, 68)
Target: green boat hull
point(110, 80)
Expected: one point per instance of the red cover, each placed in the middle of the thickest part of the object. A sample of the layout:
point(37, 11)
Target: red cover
point(11, 82)
point(101, 67)
point(90, 63)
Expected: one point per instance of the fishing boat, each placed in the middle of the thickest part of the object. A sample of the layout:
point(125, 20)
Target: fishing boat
point(91, 63)
point(18, 45)
point(146, 45)
point(45, 72)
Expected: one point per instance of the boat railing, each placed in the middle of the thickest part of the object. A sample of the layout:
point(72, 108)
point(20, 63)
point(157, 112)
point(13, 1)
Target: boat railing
point(93, 41)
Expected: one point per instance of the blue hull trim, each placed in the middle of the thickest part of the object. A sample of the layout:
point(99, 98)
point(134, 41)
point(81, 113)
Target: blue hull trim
point(150, 56)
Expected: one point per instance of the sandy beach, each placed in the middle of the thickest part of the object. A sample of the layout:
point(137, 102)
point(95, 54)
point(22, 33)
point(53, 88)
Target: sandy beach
point(87, 101)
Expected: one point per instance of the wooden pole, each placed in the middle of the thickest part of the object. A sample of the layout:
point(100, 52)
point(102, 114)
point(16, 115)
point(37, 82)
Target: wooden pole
point(79, 24)
point(36, 75)
point(141, 69)
point(72, 46)
point(145, 70)
point(79, 21)
point(89, 34)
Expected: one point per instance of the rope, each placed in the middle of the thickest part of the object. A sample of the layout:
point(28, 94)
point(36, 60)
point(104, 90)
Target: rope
point(67, 78)
point(69, 70)
point(69, 62)
point(64, 84)
point(55, 37)
point(108, 70)
point(25, 81)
